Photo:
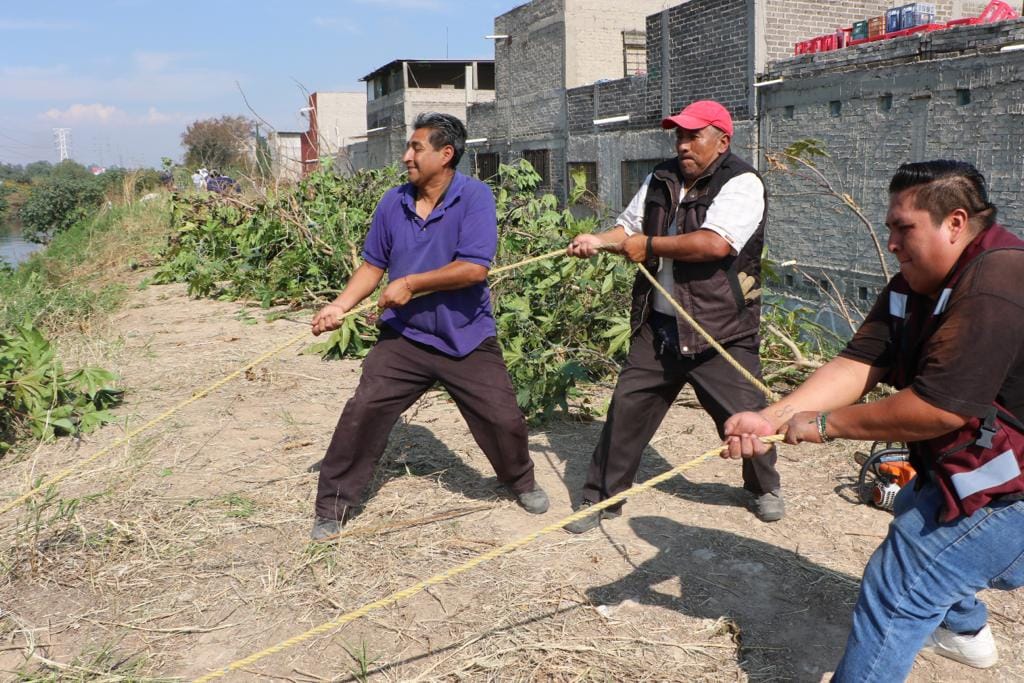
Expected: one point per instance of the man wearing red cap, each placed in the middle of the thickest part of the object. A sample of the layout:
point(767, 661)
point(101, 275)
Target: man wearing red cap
point(698, 221)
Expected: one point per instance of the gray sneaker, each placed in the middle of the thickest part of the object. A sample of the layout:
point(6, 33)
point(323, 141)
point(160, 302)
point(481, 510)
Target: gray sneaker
point(592, 520)
point(535, 502)
point(769, 507)
point(324, 528)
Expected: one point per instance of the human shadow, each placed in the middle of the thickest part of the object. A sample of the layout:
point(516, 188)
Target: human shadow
point(792, 615)
point(414, 450)
point(572, 443)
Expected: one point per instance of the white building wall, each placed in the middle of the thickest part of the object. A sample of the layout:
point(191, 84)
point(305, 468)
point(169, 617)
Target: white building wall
point(286, 155)
point(593, 36)
point(341, 120)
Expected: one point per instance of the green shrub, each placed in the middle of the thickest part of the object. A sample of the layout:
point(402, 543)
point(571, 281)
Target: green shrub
point(561, 323)
point(38, 394)
point(57, 203)
point(5, 204)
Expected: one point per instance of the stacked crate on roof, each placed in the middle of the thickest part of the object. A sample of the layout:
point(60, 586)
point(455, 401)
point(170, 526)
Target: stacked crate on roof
point(916, 14)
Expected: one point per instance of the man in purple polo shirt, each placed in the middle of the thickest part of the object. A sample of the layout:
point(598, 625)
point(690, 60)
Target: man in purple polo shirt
point(438, 234)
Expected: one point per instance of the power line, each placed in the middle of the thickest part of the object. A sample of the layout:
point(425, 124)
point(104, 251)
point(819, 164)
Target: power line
point(22, 143)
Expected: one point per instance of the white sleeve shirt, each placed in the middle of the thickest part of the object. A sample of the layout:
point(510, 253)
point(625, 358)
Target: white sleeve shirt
point(734, 214)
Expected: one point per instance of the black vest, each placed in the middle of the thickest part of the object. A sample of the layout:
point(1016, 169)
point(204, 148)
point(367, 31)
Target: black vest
point(723, 296)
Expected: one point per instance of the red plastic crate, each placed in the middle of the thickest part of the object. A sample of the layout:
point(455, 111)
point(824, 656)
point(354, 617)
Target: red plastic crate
point(804, 47)
point(998, 10)
point(969, 21)
point(924, 28)
point(843, 36)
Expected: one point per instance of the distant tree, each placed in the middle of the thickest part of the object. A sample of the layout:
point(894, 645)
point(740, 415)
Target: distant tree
point(57, 201)
point(13, 172)
point(70, 170)
point(38, 169)
point(5, 189)
point(217, 143)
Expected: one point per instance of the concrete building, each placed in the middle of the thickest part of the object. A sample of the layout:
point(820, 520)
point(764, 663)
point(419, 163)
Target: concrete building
point(952, 94)
point(337, 120)
point(945, 93)
point(285, 155)
point(573, 92)
point(543, 49)
point(400, 90)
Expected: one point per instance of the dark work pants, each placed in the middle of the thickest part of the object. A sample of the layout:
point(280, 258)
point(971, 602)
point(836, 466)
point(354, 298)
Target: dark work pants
point(648, 384)
point(396, 373)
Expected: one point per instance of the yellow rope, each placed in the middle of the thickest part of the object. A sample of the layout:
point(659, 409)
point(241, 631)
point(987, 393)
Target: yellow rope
point(78, 465)
point(135, 432)
point(412, 590)
point(455, 571)
point(769, 394)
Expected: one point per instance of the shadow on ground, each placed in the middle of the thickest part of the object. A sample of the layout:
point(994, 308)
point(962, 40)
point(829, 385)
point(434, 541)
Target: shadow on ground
point(414, 450)
point(791, 616)
point(573, 444)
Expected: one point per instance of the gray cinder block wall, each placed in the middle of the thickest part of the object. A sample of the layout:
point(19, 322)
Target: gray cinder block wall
point(529, 85)
point(698, 50)
point(949, 94)
point(945, 94)
point(551, 45)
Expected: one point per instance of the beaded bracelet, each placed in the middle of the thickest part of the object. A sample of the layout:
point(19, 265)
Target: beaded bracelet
point(822, 421)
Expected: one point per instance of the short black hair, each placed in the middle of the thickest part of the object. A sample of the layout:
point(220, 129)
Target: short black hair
point(943, 186)
point(445, 130)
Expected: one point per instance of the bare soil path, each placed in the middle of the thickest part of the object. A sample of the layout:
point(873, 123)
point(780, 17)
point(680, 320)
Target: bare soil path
point(187, 549)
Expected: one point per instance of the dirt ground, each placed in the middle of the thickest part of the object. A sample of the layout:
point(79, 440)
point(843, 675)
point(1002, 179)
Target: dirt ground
point(187, 548)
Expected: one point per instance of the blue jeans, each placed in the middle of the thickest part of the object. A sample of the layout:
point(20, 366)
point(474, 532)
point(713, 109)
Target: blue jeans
point(927, 574)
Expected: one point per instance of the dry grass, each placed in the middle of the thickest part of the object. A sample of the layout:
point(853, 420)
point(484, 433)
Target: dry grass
point(187, 548)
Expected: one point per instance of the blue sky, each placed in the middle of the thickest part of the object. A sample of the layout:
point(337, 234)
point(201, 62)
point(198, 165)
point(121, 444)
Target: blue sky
point(127, 76)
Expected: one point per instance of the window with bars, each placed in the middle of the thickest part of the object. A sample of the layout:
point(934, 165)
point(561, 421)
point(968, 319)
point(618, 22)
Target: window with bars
point(588, 169)
point(486, 165)
point(540, 159)
point(633, 174)
point(634, 53)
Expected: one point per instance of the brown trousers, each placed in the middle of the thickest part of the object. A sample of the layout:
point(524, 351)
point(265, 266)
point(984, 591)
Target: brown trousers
point(396, 372)
point(648, 384)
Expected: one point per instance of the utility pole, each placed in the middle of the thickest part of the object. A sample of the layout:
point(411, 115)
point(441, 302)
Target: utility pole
point(62, 138)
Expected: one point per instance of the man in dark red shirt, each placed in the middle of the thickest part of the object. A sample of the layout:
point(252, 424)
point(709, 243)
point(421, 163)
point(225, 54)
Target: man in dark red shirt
point(948, 333)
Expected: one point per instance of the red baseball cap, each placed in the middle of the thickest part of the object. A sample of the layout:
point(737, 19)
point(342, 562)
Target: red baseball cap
point(700, 114)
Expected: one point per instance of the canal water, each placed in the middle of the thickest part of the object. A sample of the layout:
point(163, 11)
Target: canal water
point(13, 248)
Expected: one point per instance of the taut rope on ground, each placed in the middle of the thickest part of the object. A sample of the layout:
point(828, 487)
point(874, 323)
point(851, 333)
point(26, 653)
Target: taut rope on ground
point(444, 576)
point(202, 393)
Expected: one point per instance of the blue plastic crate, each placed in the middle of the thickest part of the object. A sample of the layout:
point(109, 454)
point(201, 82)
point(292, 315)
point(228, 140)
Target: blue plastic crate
point(893, 19)
point(916, 14)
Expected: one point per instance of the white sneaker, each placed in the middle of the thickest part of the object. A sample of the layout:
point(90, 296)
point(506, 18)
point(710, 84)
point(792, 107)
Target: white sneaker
point(978, 650)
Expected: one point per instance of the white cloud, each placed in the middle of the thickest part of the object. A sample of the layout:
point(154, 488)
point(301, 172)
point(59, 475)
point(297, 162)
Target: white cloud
point(157, 61)
point(44, 84)
point(154, 117)
point(84, 113)
point(107, 115)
